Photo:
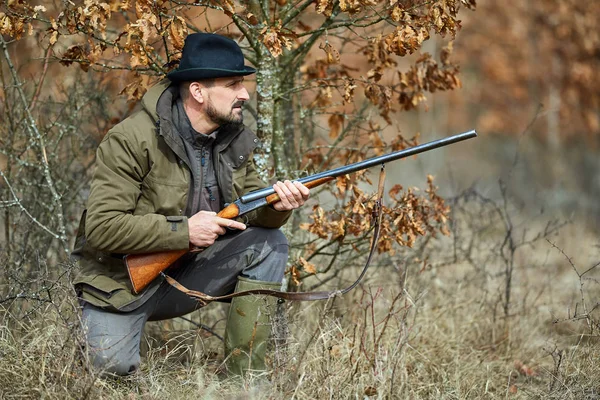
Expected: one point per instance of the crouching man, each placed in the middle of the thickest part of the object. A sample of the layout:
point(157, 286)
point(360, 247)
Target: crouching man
point(162, 174)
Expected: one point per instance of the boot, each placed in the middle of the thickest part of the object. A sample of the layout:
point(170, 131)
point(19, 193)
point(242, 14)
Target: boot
point(249, 327)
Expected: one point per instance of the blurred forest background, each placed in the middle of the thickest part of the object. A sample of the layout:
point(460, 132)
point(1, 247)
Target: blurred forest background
point(486, 280)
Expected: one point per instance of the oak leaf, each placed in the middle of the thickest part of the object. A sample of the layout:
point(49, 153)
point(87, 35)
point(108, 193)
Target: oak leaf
point(295, 274)
point(333, 56)
point(308, 267)
point(335, 122)
point(252, 19)
point(137, 88)
point(178, 32)
point(325, 7)
point(76, 53)
point(349, 87)
point(274, 39)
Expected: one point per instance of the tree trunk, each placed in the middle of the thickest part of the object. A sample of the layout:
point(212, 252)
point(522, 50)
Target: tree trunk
point(275, 124)
point(284, 148)
point(266, 84)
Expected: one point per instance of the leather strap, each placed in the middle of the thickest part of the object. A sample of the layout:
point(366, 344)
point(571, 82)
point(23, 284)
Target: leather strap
point(205, 299)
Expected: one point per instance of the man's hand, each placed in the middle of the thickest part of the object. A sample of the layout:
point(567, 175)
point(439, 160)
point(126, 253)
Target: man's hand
point(205, 227)
point(292, 195)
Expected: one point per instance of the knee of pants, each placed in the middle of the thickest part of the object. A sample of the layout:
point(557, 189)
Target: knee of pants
point(273, 237)
point(270, 265)
point(112, 340)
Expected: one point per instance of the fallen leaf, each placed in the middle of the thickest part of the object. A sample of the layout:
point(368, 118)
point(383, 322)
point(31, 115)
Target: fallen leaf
point(370, 391)
point(524, 369)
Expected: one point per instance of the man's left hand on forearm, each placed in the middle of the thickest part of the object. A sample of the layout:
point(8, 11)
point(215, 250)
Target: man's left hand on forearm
point(292, 195)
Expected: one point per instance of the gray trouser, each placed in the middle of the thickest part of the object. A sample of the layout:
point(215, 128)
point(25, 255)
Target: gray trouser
point(113, 339)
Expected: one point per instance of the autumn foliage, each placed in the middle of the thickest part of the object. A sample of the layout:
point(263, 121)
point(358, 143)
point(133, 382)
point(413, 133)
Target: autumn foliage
point(321, 66)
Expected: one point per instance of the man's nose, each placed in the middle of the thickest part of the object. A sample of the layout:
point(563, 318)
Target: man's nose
point(243, 94)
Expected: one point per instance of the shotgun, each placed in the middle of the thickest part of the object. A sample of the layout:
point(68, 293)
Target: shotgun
point(144, 268)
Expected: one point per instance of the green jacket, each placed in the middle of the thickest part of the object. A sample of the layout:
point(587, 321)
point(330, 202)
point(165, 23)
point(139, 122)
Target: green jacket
point(139, 195)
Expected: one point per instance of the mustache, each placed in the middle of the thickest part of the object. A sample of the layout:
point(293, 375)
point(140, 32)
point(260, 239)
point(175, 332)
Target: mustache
point(238, 103)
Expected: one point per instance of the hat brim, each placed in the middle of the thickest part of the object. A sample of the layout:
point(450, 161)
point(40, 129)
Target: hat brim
point(193, 74)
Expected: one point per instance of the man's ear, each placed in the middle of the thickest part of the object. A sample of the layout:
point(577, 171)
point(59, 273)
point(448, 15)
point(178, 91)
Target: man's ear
point(196, 92)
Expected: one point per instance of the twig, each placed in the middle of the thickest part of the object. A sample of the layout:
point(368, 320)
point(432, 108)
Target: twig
point(586, 313)
point(24, 210)
point(204, 328)
point(38, 138)
point(41, 80)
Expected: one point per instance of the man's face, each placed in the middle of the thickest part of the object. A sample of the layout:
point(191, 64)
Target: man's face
point(224, 100)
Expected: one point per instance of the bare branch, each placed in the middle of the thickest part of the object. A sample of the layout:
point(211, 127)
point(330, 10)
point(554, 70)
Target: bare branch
point(39, 140)
point(17, 202)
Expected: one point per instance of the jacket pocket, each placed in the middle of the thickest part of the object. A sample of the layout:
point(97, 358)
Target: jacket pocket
point(103, 287)
point(161, 198)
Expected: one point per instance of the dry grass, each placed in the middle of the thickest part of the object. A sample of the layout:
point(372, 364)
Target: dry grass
point(410, 332)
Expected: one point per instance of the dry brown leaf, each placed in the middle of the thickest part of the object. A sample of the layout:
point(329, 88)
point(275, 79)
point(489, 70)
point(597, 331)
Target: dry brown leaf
point(178, 32)
point(295, 274)
point(349, 87)
point(252, 19)
point(76, 53)
point(137, 88)
point(335, 122)
point(325, 7)
point(275, 40)
point(309, 268)
point(341, 183)
point(333, 56)
point(524, 369)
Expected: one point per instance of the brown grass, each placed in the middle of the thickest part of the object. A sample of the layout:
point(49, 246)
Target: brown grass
point(409, 332)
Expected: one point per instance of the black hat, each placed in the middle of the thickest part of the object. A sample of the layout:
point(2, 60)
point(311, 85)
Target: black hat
point(207, 55)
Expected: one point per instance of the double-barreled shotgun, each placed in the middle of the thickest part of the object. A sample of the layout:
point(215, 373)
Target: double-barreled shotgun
point(144, 268)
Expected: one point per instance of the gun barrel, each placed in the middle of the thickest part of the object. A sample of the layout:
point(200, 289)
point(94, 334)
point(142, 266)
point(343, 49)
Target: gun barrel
point(371, 162)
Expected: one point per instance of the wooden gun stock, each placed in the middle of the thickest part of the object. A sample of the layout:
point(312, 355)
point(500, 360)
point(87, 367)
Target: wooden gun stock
point(144, 268)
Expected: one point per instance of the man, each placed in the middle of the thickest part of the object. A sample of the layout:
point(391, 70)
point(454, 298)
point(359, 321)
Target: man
point(162, 174)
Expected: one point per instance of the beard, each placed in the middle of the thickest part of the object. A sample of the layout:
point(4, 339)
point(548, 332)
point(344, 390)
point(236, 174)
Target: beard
point(221, 118)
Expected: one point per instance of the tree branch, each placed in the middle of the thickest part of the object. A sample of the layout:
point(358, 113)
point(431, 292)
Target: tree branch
point(41, 80)
point(17, 202)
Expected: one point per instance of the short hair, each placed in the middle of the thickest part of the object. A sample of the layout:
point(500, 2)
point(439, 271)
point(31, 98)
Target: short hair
point(184, 87)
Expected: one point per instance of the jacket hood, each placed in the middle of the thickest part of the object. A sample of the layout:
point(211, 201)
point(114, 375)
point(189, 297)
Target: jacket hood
point(151, 97)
